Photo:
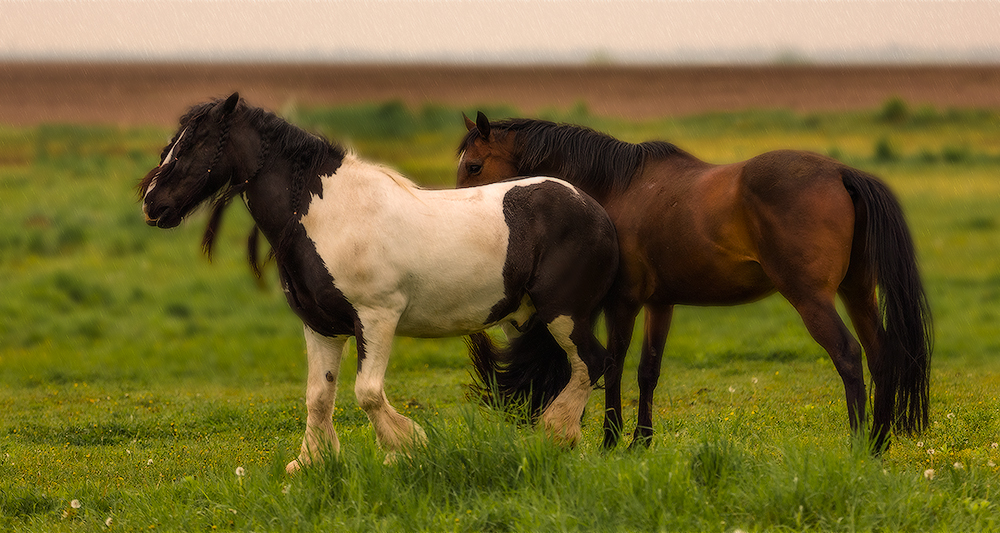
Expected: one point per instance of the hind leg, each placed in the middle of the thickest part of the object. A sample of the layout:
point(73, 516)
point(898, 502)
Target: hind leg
point(561, 419)
point(655, 338)
point(862, 306)
point(819, 314)
point(324, 354)
point(805, 234)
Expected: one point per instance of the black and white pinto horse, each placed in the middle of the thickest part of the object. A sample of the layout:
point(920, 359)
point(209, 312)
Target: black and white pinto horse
point(363, 252)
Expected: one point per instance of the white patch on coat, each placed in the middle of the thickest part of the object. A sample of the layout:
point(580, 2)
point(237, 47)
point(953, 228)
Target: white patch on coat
point(436, 254)
point(561, 418)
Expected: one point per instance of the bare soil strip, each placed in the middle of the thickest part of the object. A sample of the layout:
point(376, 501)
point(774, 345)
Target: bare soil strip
point(156, 94)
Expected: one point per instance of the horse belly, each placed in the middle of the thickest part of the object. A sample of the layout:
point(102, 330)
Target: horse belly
point(450, 307)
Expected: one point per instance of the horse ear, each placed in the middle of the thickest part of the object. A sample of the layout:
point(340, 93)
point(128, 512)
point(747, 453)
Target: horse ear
point(483, 125)
point(469, 124)
point(230, 105)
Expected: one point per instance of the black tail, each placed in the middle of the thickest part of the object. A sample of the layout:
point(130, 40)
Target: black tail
point(529, 373)
point(902, 381)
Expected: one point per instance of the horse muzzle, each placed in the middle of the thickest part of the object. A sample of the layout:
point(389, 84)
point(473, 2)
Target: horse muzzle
point(160, 217)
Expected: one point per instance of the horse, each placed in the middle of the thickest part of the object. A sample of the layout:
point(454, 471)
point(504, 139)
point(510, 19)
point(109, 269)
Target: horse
point(694, 233)
point(361, 251)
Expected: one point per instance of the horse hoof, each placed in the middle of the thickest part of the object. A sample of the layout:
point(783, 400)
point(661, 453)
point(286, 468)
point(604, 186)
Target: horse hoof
point(293, 467)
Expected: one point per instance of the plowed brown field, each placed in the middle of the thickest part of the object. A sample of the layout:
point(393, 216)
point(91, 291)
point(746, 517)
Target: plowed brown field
point(134, 94)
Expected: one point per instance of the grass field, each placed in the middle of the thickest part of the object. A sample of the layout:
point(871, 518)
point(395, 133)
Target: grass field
point(143, 388)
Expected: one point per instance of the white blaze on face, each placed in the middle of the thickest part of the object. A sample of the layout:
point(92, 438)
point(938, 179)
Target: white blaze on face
point(166, 158)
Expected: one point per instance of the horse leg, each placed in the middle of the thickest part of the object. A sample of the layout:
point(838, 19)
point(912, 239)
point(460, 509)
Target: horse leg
point(620, 321)
point(827, 328)
point(656, 328)
point(860, 300)
point(561, 419)
point(393, 431)
point(324, 354)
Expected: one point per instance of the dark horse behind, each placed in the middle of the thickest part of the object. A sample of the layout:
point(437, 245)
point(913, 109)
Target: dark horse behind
point(694, 233)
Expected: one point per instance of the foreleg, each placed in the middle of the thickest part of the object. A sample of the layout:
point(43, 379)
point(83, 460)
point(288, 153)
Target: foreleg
point(393, 431)
point(324, 354)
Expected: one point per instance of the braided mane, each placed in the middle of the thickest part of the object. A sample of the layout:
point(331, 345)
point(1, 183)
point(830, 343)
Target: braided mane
point(278, 137)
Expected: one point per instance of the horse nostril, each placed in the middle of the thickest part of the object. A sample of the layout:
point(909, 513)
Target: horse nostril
point(152, 212)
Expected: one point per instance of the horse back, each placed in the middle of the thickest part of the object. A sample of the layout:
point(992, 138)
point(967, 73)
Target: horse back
point(697, 233)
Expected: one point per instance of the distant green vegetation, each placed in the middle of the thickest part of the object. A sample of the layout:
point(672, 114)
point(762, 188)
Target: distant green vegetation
point(135, 377)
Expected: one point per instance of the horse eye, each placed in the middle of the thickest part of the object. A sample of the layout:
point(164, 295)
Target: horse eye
point(473, 168)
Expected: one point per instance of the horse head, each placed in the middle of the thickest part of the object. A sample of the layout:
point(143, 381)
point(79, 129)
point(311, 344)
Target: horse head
point(486, 154)
point(196, 164)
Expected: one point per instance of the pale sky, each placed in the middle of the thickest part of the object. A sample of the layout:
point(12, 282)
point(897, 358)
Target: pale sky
point(498, 31)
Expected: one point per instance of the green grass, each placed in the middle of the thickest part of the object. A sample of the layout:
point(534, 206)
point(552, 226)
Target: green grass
point(135, 377)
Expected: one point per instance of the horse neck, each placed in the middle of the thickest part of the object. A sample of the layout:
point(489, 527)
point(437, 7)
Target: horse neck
point(281, 190)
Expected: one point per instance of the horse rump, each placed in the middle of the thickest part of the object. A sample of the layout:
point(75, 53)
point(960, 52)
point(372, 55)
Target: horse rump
point(521, 379)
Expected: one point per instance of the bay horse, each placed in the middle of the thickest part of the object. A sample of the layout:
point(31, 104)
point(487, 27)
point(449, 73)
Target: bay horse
point(694, 233)
point(361, 251)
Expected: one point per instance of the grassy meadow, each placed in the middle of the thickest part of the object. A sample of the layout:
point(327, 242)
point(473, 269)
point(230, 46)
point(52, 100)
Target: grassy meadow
point(144, 388)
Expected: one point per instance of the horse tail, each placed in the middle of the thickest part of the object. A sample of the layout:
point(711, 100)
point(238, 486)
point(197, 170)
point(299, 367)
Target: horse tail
point(528, 374)
point(901, 378)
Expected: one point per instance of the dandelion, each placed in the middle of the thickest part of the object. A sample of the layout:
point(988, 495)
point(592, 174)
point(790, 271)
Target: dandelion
point(920, 444)
point(107, 522)
point(930, 451)
point(753, 380)
point(958, 466)
point(950, 416)
point(286, 489)
point(240, 472)
point(75, 504)
point(994, 445)
point(929, 474)
point(149, 462)
point(990, 463)
point(732, 389)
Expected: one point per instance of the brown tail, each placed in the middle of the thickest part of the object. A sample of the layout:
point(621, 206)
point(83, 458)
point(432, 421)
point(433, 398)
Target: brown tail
point(902, 383)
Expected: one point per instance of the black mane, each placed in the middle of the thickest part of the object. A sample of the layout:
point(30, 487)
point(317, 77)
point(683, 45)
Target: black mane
point(307, 152)
point(592, 160)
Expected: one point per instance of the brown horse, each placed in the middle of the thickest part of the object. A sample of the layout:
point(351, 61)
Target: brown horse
point(694, 233)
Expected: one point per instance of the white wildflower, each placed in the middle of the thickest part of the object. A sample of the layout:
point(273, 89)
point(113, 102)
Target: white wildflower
point(958, 466)
point(240, 472)
point(108, 522)
point(75, 504)
point(929, 473)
